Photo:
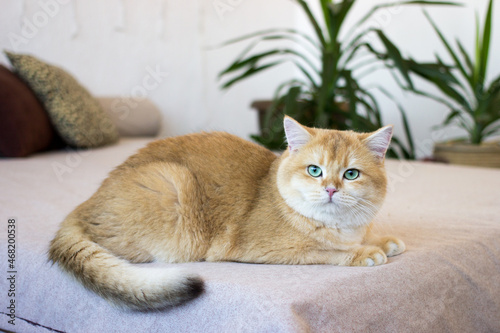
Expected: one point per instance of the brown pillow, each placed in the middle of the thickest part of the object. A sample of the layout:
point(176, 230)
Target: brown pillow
point(76, 114)
point(25, 127)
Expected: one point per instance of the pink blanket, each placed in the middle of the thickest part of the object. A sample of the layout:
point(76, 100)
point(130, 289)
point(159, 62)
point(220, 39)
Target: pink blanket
point(448, 280)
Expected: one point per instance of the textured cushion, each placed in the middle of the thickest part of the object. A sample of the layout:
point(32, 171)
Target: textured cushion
point(77, 116)
point(132, 116)
point(25, 127)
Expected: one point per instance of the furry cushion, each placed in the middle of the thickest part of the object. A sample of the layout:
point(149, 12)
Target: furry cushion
point(25, 127)
point(75, 113)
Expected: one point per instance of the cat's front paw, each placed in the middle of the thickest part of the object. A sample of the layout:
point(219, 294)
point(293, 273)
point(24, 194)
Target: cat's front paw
point(369, 256)
point(393, 246)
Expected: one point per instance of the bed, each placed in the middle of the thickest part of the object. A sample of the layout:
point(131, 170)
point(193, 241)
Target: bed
point(448, 280)
point(448, 216)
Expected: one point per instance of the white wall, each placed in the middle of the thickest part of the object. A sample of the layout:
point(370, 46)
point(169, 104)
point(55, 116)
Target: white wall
point(112, 46)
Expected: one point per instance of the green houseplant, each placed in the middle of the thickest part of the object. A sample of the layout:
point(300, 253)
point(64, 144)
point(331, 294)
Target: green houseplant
point(329, 94)
point(474, 103)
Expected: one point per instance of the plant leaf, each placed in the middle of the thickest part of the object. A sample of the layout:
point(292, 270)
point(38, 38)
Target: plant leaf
point(254, 59)
point(262, 33)
point(306, 73)
point(314, 23)
point(350, 85)
point(336, 14)
point(374, 109)
point(485, 45)
point(397, 142)
point(406, 126)
point(494, 86)
point(251, 71)
point(394, 54)
point(432, 71)
point(375, 8)
point(291, 100)
point(492, 129)
point(251, 61)
point(467, 59)
point(455, 95)
point(289, 83)
point(448, 47)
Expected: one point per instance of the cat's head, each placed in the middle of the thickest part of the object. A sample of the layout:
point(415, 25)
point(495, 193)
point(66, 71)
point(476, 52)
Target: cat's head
point(334, 177)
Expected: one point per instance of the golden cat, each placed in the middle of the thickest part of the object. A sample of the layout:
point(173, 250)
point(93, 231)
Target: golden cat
point(216, 197)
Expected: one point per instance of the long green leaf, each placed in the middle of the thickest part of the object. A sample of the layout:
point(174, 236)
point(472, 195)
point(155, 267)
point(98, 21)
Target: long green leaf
point(252, 61)
point(293, 38)
point(468, 60)
point(314, 23)
point(452, 53)
point(406, 126)
point(434, 97)
point(374, 110)
point(328, 18)
point(291, 101)
point(289, 83)
point(394, 54)
point(246, 51)
point(374, 9)
point(492, 102)
point(432, 71)
point(455, 95)
point(350, 49)
point(454, 113)
point(262, 33)
point(250, 72)
point(485, 44)
point(370, 70)
point(397, 142)
point(307, 74)
point(401, 65)
point(337, 13)
point(351, 95)
point(466, 87)
point(492, 129)
point(494, 86)
point(423, 93)
point(477, 65)
point(364, 63)
point(350, 46)
point(348, 55)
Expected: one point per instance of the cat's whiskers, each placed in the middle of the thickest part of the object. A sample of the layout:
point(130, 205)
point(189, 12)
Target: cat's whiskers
point(370, 204)
point(369, 210)
point(361, 211)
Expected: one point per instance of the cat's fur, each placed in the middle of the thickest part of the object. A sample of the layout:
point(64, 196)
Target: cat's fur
point(215, 197)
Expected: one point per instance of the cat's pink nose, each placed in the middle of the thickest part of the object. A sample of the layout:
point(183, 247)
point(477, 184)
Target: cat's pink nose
point(331, 191)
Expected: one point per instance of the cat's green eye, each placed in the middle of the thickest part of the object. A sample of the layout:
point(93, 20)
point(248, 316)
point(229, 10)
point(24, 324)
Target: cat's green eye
point(314, 171)
point(351, 174)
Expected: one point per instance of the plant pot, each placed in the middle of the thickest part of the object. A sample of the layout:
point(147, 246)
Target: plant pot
point(261, 107)
point(484, 155)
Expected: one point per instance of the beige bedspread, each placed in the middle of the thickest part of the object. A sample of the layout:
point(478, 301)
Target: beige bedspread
point(448, 280)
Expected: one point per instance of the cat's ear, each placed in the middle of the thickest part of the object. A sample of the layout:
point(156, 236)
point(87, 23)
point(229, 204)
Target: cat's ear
point(378, 142)
point(296, 134)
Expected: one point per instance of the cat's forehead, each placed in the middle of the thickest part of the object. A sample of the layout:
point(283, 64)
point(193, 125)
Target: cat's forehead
point(336, 148)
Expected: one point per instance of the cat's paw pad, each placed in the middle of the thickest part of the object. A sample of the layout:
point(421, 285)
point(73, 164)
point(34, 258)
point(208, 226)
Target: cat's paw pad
point(369, 256)
point(393, 247)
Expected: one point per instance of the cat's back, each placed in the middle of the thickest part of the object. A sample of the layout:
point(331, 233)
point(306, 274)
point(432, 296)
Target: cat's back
point(211, 156)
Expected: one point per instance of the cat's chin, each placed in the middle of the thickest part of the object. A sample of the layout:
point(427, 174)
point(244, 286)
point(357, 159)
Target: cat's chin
point(330, 214)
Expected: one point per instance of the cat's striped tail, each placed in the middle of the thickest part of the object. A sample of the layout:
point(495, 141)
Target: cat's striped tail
point(117, 280)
